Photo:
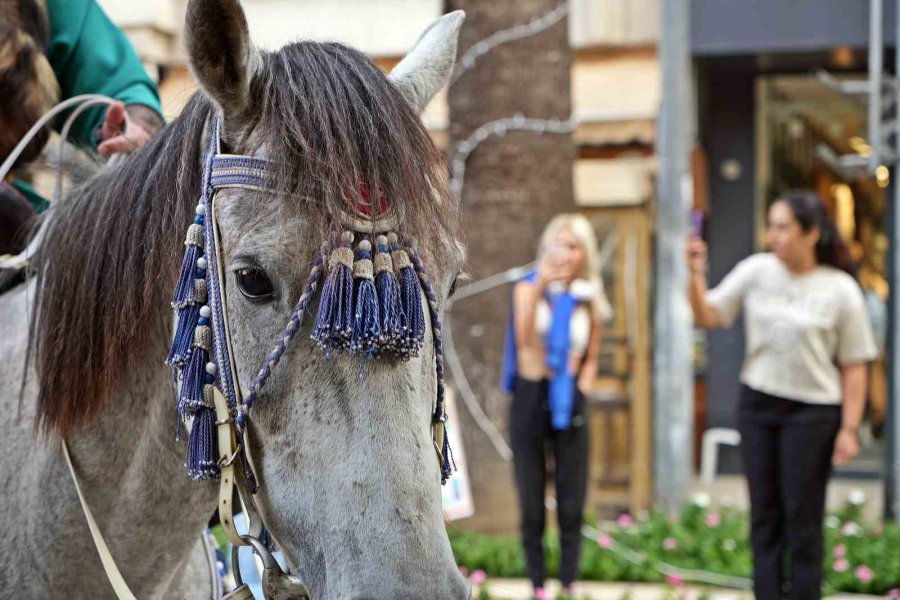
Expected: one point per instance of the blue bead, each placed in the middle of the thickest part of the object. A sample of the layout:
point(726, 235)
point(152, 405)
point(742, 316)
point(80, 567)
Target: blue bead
point(198, 219)
point(203, 321)
point(210, 379)
point(200, 273)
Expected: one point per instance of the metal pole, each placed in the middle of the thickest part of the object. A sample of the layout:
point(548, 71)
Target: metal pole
point(892, 505)
point(673, 367)
point(876, 53)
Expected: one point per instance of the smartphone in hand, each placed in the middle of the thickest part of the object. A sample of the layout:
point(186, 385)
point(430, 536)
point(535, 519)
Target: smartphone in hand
point(697, 224)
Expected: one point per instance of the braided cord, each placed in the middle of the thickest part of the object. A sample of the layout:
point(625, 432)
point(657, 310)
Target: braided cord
point(293, 326)
point(439, 414)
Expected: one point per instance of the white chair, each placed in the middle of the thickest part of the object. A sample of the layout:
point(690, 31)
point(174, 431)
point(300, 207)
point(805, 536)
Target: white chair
point(709, 458)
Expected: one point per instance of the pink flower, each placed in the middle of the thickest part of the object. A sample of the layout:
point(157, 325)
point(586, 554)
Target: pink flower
point(670, 543)
point(894, 593)
point(840, 551)
point(604, 541)
point(851, 529)
point(464, 571)
point(674, 579)
point(841, 565)
point(713, 519)
point(478, 576)
point(864, 573)
point(625, 520)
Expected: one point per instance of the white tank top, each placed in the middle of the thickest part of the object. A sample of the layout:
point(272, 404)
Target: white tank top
point(579, 326)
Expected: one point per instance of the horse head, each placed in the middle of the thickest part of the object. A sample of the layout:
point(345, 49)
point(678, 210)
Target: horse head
point(342, 443)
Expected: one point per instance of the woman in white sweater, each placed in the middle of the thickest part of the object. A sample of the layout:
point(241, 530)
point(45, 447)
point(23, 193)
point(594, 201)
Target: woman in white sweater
point(808, 341)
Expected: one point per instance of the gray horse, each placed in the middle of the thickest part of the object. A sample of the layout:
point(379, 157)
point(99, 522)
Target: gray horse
point(349, 480)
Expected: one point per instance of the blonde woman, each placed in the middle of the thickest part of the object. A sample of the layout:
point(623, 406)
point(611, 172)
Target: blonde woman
point(552, 348)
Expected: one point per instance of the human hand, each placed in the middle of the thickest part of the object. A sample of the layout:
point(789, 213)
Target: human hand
point(551, 269)
point(586, 383)
point(119, 136)
point(846, 447)
point(697, 253)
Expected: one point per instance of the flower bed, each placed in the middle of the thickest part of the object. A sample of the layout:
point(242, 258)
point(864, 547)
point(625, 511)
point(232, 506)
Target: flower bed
point(656, 548)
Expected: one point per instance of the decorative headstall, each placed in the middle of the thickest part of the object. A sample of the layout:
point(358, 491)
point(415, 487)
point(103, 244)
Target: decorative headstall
point(370, 306)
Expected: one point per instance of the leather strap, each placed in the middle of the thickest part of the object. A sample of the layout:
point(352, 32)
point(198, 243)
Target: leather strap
point(109, 564)
point(232, 455)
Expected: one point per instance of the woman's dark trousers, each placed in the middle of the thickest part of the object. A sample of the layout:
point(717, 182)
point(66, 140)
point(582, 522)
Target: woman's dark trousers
point(786, 448)
point(532, 438)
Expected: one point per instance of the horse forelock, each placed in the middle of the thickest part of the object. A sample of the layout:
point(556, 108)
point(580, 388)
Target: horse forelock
point(106, 269)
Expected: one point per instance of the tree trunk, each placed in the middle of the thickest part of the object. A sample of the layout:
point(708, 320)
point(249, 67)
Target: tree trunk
point(513, 185)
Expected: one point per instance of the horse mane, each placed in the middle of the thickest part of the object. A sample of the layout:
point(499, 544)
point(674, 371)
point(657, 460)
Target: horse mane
point(109, 259)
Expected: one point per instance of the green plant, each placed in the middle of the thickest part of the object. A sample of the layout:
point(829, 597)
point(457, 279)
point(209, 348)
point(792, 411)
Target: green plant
point(858, 558)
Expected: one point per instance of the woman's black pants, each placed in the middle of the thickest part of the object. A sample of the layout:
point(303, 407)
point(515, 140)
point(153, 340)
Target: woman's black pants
point(532, 436)
point(786, 448)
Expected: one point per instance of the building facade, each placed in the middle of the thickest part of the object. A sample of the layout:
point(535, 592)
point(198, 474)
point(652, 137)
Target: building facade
point(770, 118)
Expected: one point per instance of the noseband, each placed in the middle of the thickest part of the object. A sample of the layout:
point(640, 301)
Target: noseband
point(370, 306)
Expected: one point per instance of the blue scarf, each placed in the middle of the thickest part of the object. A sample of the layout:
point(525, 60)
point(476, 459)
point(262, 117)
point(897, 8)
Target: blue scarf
point(562, 383)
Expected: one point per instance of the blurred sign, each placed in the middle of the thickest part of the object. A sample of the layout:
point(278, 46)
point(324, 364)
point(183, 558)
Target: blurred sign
point(456, 494)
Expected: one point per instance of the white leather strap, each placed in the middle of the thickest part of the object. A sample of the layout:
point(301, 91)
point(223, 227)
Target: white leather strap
point(109, 565)
point(227, 463)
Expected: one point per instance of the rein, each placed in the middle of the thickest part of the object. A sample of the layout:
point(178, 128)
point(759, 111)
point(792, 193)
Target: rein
point(370, 305)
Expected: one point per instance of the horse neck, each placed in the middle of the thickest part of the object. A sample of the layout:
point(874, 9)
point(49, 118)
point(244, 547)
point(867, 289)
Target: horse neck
point(132, 472)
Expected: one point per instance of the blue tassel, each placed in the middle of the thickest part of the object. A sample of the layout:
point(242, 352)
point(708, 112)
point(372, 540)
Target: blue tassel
point(333, 328)
point(185, 291)
point(184, 335)
point(411, 300)
point(393, 320)
point(188, 318)
point(366, 337)
point(202, 451)
point(447, 455)
point(194, 376)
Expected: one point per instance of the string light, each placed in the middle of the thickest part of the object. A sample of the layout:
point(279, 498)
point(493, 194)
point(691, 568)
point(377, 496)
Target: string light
point(500, 128)
point(542, 23)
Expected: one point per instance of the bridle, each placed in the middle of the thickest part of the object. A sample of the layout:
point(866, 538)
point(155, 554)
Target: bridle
point(202, 357)
point(218, 447)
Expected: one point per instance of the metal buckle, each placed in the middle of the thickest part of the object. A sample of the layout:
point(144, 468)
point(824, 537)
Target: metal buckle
point(276, 584)
point(223, 462)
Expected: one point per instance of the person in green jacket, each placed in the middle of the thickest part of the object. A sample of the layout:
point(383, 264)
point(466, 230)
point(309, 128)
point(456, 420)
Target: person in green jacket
point(51, 50)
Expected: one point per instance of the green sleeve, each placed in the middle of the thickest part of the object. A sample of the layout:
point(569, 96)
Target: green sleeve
point(91, 55)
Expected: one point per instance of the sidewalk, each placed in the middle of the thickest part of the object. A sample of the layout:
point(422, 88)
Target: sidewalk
point(520, 589)
point(732, 490)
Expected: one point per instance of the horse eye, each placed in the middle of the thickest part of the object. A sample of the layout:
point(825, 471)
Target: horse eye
point(255, 284)
point(453, 286)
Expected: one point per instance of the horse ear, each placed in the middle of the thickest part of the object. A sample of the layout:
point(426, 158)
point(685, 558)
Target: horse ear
point(221, 55)
point(428, 66)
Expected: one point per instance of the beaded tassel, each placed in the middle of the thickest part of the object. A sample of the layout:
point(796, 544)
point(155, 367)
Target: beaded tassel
point(196, 372)
point(184, 289)
point(366, 337)
point(188, 318)
point(202, 450)
point(388, 289)
point(334, 320)
point(410, 300)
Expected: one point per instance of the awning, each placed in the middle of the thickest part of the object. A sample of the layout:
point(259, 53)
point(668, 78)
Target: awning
point(616, 97)
point(606, 182)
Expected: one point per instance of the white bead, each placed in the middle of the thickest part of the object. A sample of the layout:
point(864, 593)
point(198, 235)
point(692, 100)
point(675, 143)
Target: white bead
point(211, 368)
point(200, 210)
point(205, 312)
point(201, 263)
